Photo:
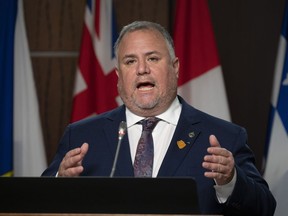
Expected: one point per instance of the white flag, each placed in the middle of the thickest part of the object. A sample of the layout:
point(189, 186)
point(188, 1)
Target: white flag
point(28, 149)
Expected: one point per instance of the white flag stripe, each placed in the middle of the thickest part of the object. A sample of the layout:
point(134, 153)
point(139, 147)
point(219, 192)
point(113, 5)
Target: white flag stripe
point(280, 194)
point(80, 84)
point(207, 93)
point(89, 21)
point(101, 46)
point(29, 153)
point(277, 155)
point(278, 70)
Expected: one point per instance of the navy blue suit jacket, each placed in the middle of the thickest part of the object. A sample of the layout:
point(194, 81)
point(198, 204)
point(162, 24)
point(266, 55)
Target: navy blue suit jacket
point(251, 195)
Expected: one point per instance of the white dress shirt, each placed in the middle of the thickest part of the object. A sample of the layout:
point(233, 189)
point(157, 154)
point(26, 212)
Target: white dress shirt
point(162, 133)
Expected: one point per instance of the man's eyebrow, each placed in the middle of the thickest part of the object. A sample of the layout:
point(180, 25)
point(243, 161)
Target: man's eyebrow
point(152, 52)
point(146, 54)
point(129, 56)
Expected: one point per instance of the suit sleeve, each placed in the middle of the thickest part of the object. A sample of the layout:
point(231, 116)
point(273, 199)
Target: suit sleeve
point(251, 194)
point(63, 148)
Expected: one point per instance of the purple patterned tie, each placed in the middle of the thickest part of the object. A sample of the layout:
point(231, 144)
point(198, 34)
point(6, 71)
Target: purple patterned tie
point(143, 164)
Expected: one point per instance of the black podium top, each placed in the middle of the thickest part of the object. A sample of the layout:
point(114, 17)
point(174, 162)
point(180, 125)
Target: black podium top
point(99, 195)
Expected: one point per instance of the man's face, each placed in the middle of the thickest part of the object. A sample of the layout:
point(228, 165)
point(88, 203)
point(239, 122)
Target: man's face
point(147, 76)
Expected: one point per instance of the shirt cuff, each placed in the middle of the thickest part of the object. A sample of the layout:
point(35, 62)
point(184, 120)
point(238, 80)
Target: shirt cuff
point(224, 191)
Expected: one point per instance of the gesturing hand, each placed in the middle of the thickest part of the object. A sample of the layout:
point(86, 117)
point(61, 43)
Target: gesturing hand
point(71, 164)
point(220, 161)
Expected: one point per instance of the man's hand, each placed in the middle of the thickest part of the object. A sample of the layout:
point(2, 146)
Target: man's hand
point(220, 162)
point(71, 164)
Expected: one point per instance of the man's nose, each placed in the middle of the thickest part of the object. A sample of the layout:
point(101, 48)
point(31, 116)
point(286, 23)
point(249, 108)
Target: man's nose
point(143, 67)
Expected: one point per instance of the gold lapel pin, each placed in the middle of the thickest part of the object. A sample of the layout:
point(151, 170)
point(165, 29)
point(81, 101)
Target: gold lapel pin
point(181, 144)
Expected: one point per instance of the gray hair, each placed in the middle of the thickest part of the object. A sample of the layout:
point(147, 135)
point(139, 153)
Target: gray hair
point(139, 25)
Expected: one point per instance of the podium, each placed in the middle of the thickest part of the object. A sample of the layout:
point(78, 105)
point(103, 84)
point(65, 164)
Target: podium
point(98, 196)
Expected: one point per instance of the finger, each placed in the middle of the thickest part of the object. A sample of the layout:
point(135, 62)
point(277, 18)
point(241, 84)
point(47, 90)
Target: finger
point(213, 175)
point(73, 152)
point(77, 153)
point(215, 159)
point(215, 145)
point(71, 161)
point(219, 177)
point(219, 172)
point(74, 171)
point(84, 149)
point(216, 148)
point(215, 167)
point(74, 157)
point(214, 141)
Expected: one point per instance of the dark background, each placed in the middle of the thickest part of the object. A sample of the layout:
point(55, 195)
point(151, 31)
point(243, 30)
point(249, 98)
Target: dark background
point(246, 31)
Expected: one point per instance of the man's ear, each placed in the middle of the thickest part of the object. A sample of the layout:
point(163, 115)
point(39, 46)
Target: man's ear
point(117, 72)
point(176, 66)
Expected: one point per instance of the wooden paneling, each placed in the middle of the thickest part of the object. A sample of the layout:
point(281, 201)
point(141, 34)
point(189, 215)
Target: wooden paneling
point(54, 80)
point(54, 25)
point(152, 10)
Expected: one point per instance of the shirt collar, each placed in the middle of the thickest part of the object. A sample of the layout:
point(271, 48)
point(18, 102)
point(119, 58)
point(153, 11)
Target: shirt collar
point(171, 115)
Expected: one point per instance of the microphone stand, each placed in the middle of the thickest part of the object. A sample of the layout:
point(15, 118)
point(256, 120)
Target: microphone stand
point(121, 133)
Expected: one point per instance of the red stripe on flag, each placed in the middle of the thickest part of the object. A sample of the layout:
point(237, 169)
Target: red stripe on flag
point(194, 39)
point(101, 91)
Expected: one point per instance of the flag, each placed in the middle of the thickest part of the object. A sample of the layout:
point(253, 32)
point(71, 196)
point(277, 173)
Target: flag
point(276, 170)
point(29, 153)
point(24, 123)
point(8, 11)
point(200, 79)
point(96, 82)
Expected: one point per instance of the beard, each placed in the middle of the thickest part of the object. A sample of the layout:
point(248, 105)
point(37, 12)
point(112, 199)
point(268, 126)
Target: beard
point(148, 106)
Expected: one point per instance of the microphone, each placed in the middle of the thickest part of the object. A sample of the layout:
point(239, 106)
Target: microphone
point(121, 132)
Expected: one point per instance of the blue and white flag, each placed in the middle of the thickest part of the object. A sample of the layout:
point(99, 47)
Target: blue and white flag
point(276, 170)
point(21, 140)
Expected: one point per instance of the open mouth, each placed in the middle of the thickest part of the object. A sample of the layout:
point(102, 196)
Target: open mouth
point(145, 86)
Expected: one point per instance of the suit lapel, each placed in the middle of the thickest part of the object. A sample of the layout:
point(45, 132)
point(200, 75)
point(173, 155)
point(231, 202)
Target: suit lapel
point(124, 164)
point(182, 142)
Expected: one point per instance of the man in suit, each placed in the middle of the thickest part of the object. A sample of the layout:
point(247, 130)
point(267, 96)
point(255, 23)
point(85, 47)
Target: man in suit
point(187, 142)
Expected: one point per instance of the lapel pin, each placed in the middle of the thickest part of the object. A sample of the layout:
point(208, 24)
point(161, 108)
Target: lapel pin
point(181, 144)
point(191, 134)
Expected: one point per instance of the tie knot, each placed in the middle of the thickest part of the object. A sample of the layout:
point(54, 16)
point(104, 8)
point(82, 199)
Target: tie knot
point(149, 123)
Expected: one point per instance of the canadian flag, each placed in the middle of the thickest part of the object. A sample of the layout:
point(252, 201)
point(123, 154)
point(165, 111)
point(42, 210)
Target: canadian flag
point(96, 82)
point(200, 80)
